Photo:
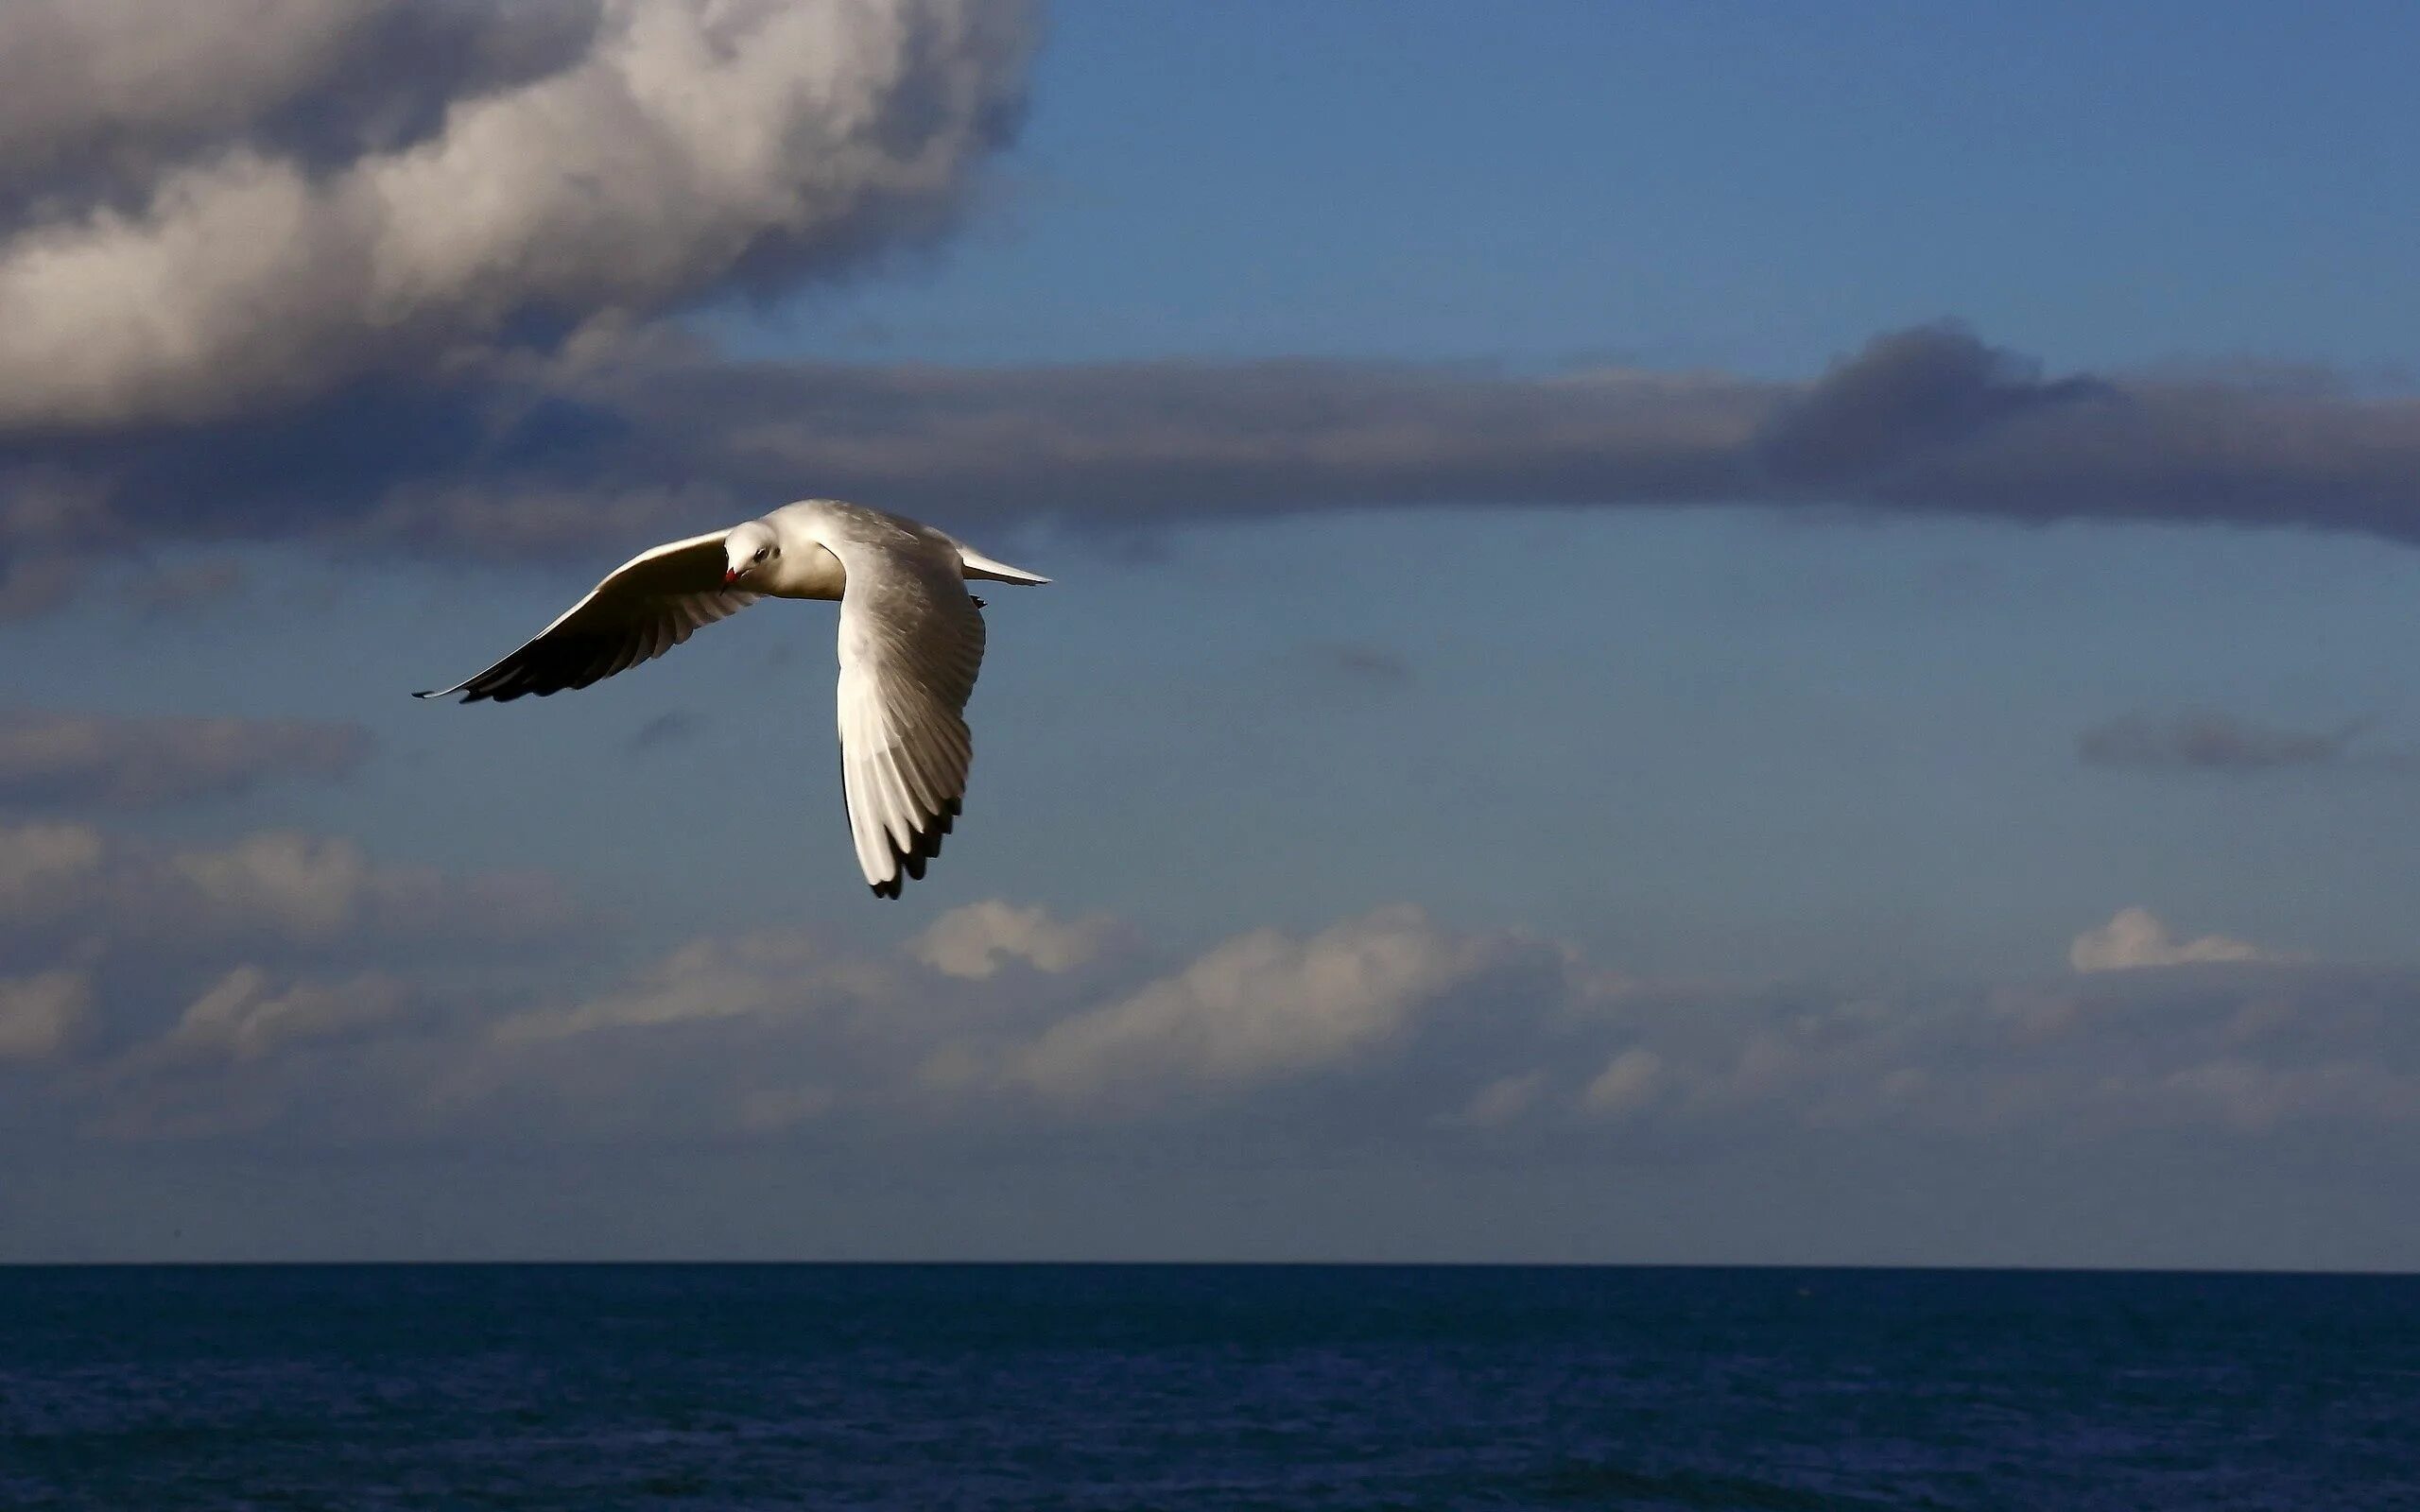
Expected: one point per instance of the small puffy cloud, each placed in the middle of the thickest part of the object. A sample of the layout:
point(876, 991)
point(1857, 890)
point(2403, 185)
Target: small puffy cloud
point(1626, 1085)
point(1262, 1005)
point(2205, 740)
point(126, 762)
point(1501, 1101)
point(974, 942)
point(2135, 937)
point(770, 973)
point(42, 865)
point(667, 729)
point(39, 1014)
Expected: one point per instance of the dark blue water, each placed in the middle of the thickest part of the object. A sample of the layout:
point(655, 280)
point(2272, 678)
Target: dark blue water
point(590, 1389)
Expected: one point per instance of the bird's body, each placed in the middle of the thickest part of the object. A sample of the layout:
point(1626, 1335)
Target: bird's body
point(911, 643)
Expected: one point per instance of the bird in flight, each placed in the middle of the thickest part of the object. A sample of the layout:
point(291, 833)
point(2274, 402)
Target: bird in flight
point(911, 642)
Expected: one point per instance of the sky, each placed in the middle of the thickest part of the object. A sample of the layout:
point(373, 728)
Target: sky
point(1679, 634)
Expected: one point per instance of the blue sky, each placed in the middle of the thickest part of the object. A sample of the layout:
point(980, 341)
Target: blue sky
point(1752, 187)
point(1746, 829)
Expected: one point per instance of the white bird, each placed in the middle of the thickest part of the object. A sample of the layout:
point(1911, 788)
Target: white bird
point(911, 642)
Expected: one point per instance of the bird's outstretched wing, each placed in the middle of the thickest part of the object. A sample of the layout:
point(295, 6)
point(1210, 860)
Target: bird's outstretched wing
point(648, 606)
point(911, 643)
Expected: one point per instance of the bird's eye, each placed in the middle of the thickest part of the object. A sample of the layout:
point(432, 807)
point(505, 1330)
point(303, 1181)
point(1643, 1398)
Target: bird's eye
point(760, 553)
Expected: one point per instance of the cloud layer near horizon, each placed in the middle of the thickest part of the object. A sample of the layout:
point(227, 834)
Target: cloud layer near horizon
point(278, 985)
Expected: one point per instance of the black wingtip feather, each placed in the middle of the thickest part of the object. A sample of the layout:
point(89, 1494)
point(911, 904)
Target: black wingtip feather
point(910, 861)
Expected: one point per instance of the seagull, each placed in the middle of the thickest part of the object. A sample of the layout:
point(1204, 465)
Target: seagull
point(911, 642)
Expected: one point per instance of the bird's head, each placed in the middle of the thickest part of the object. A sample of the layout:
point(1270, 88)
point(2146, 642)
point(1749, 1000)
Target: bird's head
point(748, 550)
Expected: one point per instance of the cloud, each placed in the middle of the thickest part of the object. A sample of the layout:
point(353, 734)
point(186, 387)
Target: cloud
point(629, 432)
point(629, 436)
point(1909, 395)
point(943, 1028)
point(241, 1016)
point(770, 972)
point(1261, 1006)
point(1384, 1030)
point(667, 729)
point(2255, 1098)
point(405, 273)
point(126, 762)
point(39, 1014)
point(1626, 1085)
point(2135, 938)
point(102, 95)
point(186, 589)
point(974, 942)
point(1360, 662)
point(211, 219)
point(1501, 1101)
point(68, 885)
point(2208, 741)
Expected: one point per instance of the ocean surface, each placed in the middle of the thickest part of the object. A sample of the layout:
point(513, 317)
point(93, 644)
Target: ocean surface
point(588, 1388)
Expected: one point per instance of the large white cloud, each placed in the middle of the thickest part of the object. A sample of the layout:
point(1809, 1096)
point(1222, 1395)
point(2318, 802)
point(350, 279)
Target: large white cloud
point(675, 146)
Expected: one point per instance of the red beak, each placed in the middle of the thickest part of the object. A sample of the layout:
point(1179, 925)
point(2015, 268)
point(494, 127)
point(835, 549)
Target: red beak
point(731, 574)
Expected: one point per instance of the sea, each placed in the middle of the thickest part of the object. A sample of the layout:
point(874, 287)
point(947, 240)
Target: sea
point(588, 1388)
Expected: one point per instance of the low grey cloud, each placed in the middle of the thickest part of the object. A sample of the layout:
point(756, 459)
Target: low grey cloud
point(1909, 396)
point(122, 762)
point(1929, 422)
point(629, 434)
point(2204, 740)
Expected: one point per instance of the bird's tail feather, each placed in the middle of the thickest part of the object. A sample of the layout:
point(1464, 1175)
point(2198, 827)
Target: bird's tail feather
point(977, 565)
